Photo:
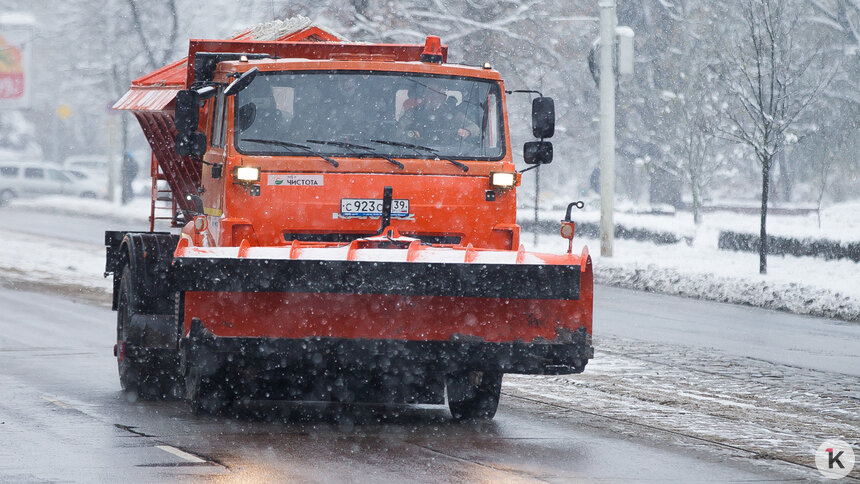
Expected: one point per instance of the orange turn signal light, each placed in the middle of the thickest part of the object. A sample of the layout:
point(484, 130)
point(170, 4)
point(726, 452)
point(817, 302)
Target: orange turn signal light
point(567, 229)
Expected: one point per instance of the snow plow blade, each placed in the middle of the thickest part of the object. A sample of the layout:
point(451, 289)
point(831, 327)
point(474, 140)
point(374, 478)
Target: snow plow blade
point(511, 317)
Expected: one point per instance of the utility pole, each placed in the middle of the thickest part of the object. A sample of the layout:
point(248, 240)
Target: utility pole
point(607, 126)
point(111, 159)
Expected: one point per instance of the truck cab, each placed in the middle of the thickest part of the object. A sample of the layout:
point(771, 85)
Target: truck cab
point(304, 152)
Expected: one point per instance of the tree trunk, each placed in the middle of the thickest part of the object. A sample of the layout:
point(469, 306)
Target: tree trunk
point(765, 185)
point(697, 204)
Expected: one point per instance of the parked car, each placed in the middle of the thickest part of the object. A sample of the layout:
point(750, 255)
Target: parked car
point(27, 180)
point(87, 163)
point(96, 167)
point(87, 186)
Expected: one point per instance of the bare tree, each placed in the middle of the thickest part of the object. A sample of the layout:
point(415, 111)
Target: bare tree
point(822, 180)
point(143, 27)
point(767, 76)
point(837, 24)
point(688, 105)
point(698, 161)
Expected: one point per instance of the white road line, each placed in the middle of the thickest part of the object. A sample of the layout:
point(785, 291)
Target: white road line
point(181, 454)
point(58, 403)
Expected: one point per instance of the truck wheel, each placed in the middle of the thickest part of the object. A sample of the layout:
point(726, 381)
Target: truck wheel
point(474, 395)
point(148, 376)
point(128, 371)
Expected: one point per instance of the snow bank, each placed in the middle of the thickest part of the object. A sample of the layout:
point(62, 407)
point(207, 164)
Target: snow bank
point(801, 285)
point(59, 265)
point(793, 297)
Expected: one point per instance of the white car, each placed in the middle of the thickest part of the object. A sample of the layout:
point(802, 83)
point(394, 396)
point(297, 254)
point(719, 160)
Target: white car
point(87, 163)
point(95, 167)
point(87, 186)
point(27, 180)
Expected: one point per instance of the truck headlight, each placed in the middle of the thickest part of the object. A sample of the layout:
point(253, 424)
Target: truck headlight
point(503, 179)
point(247, 173)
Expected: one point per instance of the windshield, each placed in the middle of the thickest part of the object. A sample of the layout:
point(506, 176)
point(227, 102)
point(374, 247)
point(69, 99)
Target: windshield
point(390, 112)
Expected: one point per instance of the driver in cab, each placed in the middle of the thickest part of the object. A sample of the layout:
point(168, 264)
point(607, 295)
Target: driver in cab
point(433, 116)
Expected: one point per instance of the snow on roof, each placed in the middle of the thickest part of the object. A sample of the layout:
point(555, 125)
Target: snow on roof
point(173, 76)
point(279, 29)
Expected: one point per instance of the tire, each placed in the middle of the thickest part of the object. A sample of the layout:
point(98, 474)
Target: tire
point(474, 395)
point(128, 371)
point(150, 376)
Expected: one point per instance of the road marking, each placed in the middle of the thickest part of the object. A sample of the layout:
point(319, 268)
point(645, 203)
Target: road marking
point(181, 454)
point(58, 403)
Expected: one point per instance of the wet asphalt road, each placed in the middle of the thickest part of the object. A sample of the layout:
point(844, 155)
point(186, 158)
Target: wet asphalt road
point(76, 229)
point(64, 418)
point(826, 345)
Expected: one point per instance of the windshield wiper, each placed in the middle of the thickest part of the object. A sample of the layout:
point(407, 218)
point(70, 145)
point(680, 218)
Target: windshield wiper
point(293, 145)
point(419, 149)
point(351, 146)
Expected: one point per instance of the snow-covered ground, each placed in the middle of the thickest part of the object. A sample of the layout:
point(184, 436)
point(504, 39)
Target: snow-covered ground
point(746, 406)
point(839, 222)
point(63, 265)
point(803, 285)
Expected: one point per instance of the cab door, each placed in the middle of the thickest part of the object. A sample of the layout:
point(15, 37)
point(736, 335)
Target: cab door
point(217, 126)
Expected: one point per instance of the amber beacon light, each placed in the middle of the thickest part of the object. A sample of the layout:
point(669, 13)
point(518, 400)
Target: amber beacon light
point(432, 50)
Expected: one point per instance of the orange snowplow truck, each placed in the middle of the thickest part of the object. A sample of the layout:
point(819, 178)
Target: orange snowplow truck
point(348, 232)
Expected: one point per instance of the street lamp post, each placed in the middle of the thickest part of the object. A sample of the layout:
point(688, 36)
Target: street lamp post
point(606, 78)
point(607, 127)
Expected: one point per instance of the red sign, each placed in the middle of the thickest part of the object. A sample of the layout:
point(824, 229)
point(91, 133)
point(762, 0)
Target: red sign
point(11, 71)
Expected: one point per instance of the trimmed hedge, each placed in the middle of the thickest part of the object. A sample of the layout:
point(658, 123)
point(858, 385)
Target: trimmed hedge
point(827, 249)
point(592, 230)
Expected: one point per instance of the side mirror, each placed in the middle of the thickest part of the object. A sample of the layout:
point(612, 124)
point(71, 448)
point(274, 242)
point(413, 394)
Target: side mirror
point(206, 92)
point(543, 117)
point(187, 111)
point(190, 144)
point(537, 152)
point(247, 115)
point(241, 82)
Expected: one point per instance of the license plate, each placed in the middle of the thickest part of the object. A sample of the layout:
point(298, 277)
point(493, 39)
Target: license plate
point(372, 207)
